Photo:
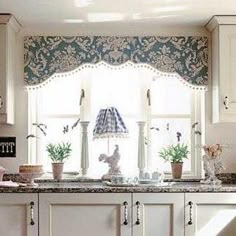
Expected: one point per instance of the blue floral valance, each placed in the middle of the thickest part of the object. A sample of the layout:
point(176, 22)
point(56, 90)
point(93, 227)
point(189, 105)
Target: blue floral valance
point(187, 56)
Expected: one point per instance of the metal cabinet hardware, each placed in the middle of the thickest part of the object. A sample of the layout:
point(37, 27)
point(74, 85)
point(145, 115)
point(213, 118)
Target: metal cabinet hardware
point(1, 102)
point(32, 213)
point(226, 102)
point(149, 97)
point(190, 222)
point(125, 213)
point(82, 96)
point(138, 213)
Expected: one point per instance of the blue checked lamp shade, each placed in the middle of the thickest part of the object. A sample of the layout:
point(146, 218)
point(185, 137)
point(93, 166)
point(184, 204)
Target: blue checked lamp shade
point(109, 124)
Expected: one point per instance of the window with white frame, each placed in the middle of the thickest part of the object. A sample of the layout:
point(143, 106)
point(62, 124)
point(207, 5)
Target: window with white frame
point(173, 108)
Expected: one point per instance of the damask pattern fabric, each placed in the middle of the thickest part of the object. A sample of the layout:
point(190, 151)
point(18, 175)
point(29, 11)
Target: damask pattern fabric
point(187, 56)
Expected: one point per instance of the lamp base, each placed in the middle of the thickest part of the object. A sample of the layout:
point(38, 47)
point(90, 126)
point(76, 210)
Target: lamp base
point(112, 161)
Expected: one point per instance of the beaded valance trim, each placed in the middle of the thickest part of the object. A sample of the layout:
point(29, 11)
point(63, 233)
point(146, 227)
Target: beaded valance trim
point(129, 64)
point(186, 56)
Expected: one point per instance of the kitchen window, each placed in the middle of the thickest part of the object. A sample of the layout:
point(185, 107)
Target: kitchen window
point(139, 93)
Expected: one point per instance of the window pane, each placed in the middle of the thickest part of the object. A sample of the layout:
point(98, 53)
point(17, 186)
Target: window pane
point(170, 96)
point(163, 138)
point(118, 88)
point(61, 96)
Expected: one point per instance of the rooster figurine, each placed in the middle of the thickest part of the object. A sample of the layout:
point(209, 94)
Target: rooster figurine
point(113, 160)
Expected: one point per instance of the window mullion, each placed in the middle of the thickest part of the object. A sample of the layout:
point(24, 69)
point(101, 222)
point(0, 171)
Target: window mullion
point(148, 126)
point(39, 119)
point(193, 136)
point(199, 99)
point(32, 118)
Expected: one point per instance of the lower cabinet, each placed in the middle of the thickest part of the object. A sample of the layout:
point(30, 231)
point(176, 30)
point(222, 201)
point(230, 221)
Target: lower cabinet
point(109, 214)
point(158, 214)
point(18, 214)
point(118, 214)
point(210, 214)
point(85, 214)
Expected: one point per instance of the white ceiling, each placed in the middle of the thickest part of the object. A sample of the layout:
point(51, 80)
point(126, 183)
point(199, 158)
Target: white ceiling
point(50, 13)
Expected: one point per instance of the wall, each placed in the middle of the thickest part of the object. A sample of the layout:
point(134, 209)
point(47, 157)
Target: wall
point(215, 133)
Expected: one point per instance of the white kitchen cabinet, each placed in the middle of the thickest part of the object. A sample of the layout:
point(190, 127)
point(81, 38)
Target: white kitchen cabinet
point(211, 214)
point(158, 214)
point(86, 214)
point(223, 59)
point(18, 214)
point(8, 30)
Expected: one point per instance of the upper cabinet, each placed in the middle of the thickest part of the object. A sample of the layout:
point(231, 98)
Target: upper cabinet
point(8, 30)
point(223, 29)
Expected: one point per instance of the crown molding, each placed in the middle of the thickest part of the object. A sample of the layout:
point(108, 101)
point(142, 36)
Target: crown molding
point(220, 20)
point(9, 19)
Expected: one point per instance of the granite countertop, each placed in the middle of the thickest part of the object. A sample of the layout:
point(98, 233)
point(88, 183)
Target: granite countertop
point(73, 185)
point(93, 187)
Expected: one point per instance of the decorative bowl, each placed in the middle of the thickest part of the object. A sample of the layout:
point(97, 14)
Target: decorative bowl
point(30, 177)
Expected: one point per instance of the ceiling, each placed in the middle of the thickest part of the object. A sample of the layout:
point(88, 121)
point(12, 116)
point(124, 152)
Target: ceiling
point(50, 13)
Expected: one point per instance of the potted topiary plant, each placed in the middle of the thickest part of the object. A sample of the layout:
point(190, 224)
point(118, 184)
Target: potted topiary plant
point(175, 154)
point(58, 154)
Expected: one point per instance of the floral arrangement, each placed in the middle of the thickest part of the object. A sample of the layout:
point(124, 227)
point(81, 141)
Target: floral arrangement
point(212, 163)
point(212, 151)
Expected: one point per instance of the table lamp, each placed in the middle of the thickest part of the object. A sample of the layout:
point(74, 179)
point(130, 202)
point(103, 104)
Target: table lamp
point(109, 124)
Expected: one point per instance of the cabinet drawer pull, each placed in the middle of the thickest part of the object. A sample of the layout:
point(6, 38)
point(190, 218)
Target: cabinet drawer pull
point(1, 102)
point(138, 213)
point(32, 213)
point(226, 102)
point(190, 222)
point(125, 213)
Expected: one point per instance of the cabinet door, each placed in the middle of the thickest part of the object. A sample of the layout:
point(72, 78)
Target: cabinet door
point(3, 62)
point(226, 69)
point(160, 214)
point(211, 214)
point(86, 214)
point(8, 30)
point(17, 216)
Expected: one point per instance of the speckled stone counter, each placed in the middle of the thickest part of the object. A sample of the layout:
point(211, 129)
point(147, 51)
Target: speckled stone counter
point(82, 187)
